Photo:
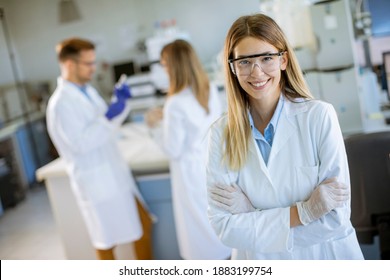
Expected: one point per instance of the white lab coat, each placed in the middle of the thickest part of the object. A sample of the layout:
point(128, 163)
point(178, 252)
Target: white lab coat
point(308, 148)
point(184, 140)
point(100, 178)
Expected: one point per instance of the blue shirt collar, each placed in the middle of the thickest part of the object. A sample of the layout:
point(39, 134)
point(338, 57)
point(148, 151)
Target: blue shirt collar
point(275, 118)
point(82, 88)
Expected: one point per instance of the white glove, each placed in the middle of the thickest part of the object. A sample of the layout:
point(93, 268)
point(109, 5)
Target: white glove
point(329, 195)
point(230, 198)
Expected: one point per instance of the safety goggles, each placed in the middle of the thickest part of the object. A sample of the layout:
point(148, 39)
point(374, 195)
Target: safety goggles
point(243, 66)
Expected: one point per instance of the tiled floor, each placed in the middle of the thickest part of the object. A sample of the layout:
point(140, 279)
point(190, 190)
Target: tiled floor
point(28, 231)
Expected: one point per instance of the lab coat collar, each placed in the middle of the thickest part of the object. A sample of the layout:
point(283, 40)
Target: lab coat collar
point(295, 106)
point(72, 88)
point(286, 128)
point(65, 83)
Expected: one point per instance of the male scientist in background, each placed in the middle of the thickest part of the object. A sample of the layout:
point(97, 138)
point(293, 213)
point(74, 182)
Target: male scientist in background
point(83, 130)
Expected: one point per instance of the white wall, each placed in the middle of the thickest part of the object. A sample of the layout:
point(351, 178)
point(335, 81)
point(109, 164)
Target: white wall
point(115, 25)
point(5, 62)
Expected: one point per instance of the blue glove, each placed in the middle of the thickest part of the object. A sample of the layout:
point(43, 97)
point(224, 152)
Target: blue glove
point(115, 109)
point(122, 92)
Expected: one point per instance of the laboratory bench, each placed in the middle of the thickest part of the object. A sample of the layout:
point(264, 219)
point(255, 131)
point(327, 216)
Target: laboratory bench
point(150, 168)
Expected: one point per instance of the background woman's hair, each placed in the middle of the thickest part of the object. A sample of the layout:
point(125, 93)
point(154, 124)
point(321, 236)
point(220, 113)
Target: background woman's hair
point(185, 70)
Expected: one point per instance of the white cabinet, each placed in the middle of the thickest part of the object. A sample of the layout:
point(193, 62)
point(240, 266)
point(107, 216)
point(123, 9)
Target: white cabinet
point(332, 26)
point(156, 190)
point(340, 88)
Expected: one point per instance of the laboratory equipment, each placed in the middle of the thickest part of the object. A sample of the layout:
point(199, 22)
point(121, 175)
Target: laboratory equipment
point(338, 79)
point(127, 68)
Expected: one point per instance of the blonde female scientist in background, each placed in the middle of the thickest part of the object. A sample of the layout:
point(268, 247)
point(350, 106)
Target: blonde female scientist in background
point(191, 107)
point(277, 169)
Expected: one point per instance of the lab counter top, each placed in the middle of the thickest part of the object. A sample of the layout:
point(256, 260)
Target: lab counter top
point(140, 151)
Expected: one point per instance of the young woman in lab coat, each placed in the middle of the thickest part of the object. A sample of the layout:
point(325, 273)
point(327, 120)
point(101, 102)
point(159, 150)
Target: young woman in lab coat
point(277, 173)
point(191, 107)
point(84, 130)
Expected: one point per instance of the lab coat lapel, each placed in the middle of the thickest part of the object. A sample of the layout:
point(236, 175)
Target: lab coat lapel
point(255, 152)
point(90, 101)
point(88, 98)
point(82, 99)
point(286, 127)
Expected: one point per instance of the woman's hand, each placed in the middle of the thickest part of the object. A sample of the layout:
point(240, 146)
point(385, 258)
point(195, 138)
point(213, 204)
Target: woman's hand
point(154, 116)
point(230, 198)
point(329, 195)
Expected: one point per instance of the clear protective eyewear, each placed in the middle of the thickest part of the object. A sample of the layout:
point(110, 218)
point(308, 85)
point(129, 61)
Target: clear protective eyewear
point(243, 66)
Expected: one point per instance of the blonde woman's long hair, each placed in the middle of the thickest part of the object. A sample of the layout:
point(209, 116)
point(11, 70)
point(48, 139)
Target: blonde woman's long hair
point(292, 82)
point(185, 70)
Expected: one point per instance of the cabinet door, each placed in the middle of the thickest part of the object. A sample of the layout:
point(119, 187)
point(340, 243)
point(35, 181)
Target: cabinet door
point(313, 81)
point(156, 190)
point(332, 25)
point(340, 88)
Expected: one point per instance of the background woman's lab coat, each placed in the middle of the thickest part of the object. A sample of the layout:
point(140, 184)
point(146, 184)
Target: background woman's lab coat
point(308, 147)
point(100, 178)
point(185, 127)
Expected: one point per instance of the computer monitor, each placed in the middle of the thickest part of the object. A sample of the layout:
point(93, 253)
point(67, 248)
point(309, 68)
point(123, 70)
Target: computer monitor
point(127, 68)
